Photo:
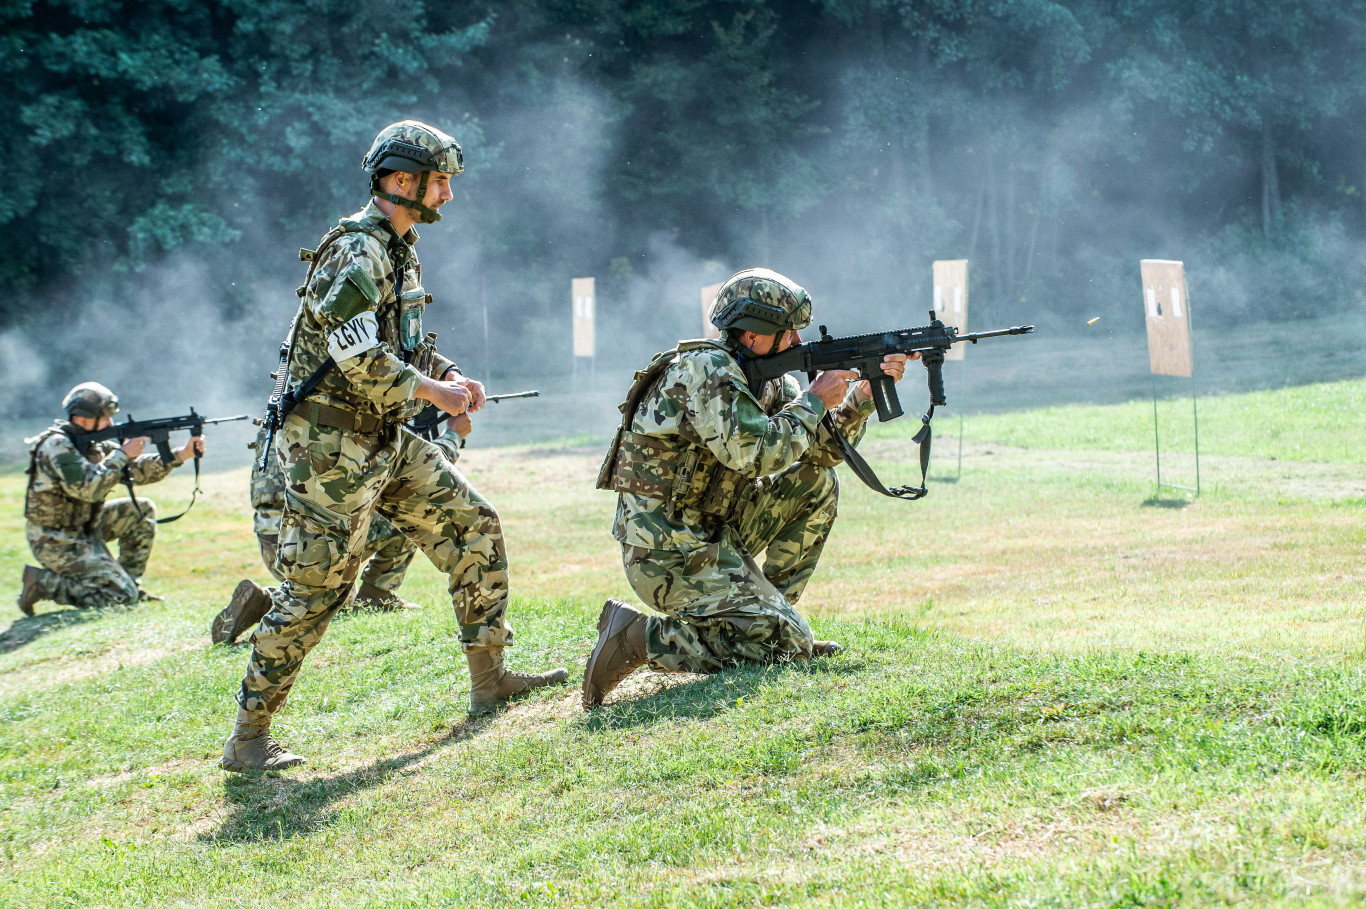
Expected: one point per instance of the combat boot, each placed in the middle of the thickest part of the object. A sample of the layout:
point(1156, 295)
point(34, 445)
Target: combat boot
point(825, 648)
point(376, 599)
point(29, 592)
point(252, 747)
point(491, 684)
point(248, 606)
point(620, 651)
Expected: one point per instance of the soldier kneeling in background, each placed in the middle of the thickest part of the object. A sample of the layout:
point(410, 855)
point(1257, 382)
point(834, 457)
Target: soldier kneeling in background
point(69, 522)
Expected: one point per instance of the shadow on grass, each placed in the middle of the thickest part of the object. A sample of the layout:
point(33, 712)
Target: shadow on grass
point(709, 696)
point(1156, 502)
point(274, 806)
point(28, 629)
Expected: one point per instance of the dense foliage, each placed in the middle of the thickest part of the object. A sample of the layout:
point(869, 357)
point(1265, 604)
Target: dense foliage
point(1051, 142)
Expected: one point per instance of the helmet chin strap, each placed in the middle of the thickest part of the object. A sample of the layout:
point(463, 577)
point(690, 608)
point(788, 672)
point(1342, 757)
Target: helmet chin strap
point(425, 215)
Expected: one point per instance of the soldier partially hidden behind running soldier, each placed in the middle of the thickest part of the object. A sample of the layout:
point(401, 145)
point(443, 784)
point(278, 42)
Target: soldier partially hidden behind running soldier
point(386, 556)
point(708, 477)
point(69, 523)
point(357, 339)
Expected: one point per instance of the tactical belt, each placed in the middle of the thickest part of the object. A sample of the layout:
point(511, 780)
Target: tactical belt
point(320, 414)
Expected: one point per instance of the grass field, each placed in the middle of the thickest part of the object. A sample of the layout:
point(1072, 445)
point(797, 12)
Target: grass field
point(1059, 689)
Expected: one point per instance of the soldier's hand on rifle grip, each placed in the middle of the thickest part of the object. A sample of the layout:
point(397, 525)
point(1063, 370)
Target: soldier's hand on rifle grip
point(831, 385)
point(133, 447)
point(893, 365)
point(452, 397)
point(191, 449)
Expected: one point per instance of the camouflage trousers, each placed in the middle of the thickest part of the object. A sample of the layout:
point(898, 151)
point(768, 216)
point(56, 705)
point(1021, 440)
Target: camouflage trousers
point(336, 482)
point(719, 607)
point(387, 555)
point(78, 569)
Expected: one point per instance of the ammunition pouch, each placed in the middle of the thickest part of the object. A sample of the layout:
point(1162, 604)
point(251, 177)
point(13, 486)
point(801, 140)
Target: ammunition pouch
point(53, 508)
point(60, 512)
point(683, 479)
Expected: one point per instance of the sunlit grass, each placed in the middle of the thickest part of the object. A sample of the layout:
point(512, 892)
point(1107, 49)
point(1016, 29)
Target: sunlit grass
point(1058, 689)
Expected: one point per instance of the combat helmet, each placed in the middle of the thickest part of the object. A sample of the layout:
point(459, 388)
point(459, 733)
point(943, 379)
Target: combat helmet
point(412, 147)
point(762, 301)
point(90, 399)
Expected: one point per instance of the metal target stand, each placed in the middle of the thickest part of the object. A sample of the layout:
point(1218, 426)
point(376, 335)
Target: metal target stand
point(1157, 444)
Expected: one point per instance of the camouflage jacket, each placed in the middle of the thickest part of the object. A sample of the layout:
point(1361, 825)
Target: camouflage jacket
point(268, 484)
point(349, 312)
point(66, 489)
point(702, 403)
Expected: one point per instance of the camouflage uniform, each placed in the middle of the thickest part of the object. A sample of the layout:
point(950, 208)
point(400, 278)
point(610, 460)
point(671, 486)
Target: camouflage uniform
point(387, 553)
point(337, 478)
point(708, 476)
point(69, 522)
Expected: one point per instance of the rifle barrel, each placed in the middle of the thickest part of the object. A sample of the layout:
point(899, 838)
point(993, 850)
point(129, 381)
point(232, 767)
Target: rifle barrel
point(996, 333)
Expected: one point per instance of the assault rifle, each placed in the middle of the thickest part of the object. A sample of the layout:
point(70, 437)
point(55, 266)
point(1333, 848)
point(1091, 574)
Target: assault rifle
point(429, 418)
point(159, 432)
point(864, 354)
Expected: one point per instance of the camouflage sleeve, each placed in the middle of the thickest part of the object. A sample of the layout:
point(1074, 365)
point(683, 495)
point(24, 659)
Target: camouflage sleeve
point(851, 420)
point(149, 468)
point(711, 388)
point(440, 365)
point(449, 443)
point(77, 476)
point(347, 289)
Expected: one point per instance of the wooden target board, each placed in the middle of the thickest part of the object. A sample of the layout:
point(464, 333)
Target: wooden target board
point(1166, 309)
point(951, 299)
point(708, 295)
point(583, 291)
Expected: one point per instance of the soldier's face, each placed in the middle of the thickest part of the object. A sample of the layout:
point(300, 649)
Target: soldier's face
point(763, 345)
point(90, 424)
point(438, 190)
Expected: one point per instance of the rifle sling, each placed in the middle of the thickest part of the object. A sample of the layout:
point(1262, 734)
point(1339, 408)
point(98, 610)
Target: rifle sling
point(864, 472)
point(128, 481)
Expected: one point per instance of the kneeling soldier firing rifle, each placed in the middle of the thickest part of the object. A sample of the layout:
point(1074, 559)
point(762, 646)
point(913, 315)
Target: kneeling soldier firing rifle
point(73, 466)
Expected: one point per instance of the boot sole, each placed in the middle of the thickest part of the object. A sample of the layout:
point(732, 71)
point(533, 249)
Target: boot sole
point(225, 628)
point(591, 696)
point(237, 767)
point(26, 604)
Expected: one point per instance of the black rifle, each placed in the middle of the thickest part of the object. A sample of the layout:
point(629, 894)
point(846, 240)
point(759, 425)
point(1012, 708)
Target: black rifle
point(429, 418)
point(159, 433)
point(864, 354)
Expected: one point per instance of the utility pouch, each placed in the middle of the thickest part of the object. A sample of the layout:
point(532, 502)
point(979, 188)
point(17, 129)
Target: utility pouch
point(410, 307)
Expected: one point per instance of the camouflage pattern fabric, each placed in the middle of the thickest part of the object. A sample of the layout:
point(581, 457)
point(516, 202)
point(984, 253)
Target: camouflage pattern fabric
point(322, 536)
point(69, 523)
point(718, 606)
point(349, 309)
point(337, 480)
point(387, 553)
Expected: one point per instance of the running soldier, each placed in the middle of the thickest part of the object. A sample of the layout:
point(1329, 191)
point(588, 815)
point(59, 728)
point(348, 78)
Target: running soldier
point(709, 476)
point(387, 552)
point(69, 523)
point(357, 343)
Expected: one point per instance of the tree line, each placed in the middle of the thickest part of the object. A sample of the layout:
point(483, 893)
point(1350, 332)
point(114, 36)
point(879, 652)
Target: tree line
point(1051, 142)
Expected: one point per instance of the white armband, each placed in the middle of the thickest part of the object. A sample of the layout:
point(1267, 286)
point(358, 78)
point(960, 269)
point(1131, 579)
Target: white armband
point(355, 336)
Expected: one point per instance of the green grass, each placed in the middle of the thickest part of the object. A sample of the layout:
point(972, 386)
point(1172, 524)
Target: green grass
point(1058, 690)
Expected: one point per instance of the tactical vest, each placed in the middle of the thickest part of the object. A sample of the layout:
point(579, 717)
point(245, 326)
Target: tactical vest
point(403, 333)
point(52, 507)
point(681, 474)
